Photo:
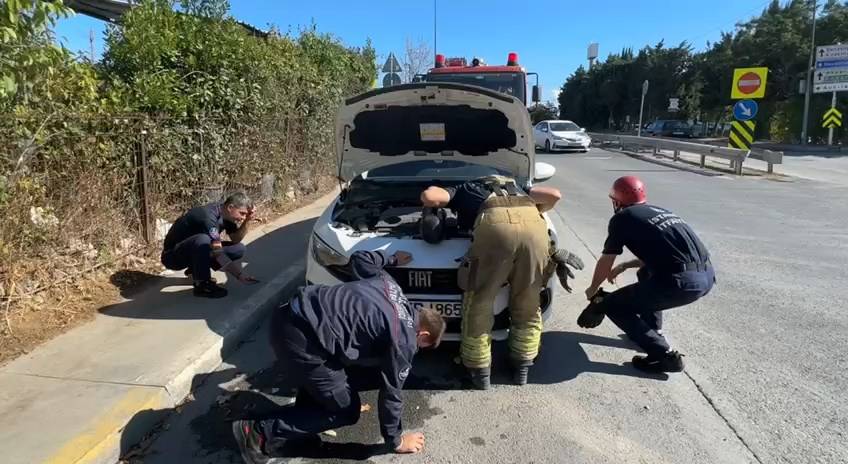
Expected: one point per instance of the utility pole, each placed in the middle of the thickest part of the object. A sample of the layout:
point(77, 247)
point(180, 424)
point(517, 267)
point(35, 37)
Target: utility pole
point(830, 129)
point(91, 44)
point(809, 78)
point(642, 106)
point(435, 44)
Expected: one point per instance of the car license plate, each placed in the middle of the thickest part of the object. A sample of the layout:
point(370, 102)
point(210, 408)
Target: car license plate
point(448, 308)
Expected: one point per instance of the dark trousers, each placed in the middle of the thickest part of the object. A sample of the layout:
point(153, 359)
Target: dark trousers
point(327, 395)
point(195, 253)
point(637, 308)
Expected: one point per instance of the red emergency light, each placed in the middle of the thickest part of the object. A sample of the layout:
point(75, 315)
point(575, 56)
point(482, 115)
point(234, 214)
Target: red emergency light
point(456, 62)
point(512, 59)
point(440, 61)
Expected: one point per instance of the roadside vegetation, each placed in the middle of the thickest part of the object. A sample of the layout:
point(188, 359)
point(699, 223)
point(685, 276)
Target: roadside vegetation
point(184, 94)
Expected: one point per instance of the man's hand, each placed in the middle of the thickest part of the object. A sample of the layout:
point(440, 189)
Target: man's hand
point(615, 272)
point(247, 279)
point(251, 213)
point(403, 258)
point(411, 443)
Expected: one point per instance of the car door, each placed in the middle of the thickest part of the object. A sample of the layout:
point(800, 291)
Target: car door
point(540, 133)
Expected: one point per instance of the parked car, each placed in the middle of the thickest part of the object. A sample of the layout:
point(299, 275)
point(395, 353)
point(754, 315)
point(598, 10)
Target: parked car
point(561, 135)
point(668, 128)
point(391, 144)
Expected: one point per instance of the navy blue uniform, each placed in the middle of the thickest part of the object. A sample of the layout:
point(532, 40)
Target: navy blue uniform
point(677, 271)
point(336, 340)
point(188, 243)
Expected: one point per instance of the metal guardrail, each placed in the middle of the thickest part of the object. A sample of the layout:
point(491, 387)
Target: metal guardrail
point(735, 156)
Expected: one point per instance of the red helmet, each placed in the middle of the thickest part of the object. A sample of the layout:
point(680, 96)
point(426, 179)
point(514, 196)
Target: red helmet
point(628, 190)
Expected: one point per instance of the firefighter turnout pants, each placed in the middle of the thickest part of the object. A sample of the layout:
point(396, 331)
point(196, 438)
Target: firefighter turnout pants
point(511, 245)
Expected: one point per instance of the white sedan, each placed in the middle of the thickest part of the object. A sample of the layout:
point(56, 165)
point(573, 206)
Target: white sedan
point(561, 135)
point(393, 143)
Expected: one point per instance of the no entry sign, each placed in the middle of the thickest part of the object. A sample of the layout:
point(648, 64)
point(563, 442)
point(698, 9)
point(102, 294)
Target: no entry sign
point(749, 83)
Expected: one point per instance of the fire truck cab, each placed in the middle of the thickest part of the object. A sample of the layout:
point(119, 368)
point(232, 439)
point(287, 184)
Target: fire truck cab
point(510, 79)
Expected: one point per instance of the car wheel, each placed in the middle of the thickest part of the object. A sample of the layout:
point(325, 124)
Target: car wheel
point(547, 146)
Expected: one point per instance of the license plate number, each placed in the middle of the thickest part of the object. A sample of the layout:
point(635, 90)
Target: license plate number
point(448, 309)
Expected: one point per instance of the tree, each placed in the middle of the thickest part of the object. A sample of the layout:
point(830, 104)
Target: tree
point(544, 111)
point(417, 59)
point(28, 55)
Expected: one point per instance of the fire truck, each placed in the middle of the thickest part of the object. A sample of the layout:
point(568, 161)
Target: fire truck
point(510, 79)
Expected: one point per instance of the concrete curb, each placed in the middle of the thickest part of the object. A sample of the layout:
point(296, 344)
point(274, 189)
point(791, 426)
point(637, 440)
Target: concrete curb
point(101, 442)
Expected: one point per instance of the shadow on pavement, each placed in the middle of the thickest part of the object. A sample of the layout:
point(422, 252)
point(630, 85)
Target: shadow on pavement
point(171, 297)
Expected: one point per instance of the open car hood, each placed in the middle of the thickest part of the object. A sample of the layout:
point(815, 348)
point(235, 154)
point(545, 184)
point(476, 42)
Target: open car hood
point(437, 121)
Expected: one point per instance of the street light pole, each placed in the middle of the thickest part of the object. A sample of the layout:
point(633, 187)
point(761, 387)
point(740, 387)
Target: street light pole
point(641, 107)
point(809, 78)
point(435, 45)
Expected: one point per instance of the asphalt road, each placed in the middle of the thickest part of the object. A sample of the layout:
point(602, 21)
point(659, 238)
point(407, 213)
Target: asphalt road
point(766, 350)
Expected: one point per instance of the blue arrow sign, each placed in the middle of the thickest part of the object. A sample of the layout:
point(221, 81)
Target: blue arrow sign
point(745, 110)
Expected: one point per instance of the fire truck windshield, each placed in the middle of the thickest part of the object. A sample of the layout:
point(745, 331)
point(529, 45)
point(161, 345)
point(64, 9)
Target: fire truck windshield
point(508, 83)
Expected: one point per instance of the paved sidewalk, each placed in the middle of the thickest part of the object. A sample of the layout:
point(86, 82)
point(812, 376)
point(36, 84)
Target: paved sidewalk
point(70, 399)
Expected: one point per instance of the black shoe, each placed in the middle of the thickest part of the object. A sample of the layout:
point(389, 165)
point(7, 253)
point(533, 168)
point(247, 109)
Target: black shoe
point(519, 375)
point(250, 441)
point(671, 361)
point(481, 378)
point(209, 289)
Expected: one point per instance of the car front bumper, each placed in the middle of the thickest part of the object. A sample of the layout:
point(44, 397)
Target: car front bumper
point(317, 274)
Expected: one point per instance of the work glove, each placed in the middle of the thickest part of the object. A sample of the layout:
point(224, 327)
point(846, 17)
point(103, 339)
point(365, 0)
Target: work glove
point(593, 315)
point(563, 259)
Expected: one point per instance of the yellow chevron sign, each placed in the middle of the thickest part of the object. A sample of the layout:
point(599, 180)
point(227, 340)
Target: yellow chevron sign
point(832, 119)
point(742, 134)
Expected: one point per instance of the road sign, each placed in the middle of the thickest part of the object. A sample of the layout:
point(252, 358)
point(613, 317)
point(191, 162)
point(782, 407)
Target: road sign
point(742, 134)
point(831, 74)
point(391, 79)
point(745, 110)
point(674, 104)
point(748, 83)
point(391, 65)
point(832, 119)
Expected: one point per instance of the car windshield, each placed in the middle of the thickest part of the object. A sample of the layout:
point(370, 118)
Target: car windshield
point(564, 127)
point(508, 83)
point(432, 169)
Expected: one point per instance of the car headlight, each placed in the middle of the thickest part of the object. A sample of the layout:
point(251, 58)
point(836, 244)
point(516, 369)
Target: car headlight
point(325, 255)
point(556, 137)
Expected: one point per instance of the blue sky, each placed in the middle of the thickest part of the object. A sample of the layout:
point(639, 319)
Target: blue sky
point(550, 36)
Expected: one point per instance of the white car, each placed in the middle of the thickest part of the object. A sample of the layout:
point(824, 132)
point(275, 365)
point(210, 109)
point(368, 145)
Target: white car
point(561, 135)
point(394, 142)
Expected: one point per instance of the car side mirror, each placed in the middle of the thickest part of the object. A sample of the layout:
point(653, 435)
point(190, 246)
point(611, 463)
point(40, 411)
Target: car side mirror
point(537, 93)
point(543, 172)
point(582, 129)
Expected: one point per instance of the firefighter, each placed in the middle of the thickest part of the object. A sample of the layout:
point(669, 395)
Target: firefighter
point(510, 244)
point(674, 270)
point(194, 243)
point(334, 341)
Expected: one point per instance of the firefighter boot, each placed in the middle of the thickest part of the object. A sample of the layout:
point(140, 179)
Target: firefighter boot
point(481, 378)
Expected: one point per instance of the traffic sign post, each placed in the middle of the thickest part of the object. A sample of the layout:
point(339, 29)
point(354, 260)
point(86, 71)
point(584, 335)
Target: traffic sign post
point(391, 65)
point(831, 73)
point(742, 134)
point(745, 110)
point(831, 120)
point(748, 83)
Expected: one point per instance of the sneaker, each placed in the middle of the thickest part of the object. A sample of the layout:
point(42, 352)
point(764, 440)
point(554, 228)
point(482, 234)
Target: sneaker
point(209, 289)
point(520, 374)
point(481, 378)
point(250, 441)
point(671, 361)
